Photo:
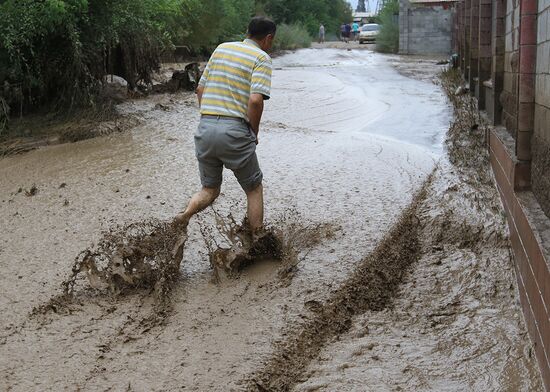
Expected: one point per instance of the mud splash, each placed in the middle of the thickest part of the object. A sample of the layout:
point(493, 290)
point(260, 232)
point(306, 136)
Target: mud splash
point(138, 255)
point(371, 287)
point(147, 256)
point(245, 247)
point(287, 240)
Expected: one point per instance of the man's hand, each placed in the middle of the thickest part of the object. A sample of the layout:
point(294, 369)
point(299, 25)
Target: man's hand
point(255, 110)
point(199, 91)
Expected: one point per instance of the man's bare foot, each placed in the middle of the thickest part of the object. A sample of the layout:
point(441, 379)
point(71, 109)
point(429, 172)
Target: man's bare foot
point(177, 251)
point(181, 221)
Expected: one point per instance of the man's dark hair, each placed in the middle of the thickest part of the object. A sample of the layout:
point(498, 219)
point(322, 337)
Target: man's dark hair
point(260, 27)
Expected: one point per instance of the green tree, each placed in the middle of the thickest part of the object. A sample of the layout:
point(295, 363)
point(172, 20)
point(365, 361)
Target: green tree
point(388, 38)
point(309, 13)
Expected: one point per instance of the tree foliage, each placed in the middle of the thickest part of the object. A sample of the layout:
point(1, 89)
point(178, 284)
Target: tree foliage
point(388, 38)
point(309, 13)
point(58, 51)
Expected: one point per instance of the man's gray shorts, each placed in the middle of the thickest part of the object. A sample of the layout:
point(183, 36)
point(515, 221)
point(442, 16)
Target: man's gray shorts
point(229, 142)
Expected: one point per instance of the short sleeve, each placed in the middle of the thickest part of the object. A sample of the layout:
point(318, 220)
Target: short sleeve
point(261, 77)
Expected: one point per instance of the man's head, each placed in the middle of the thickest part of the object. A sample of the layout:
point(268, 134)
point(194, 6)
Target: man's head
point(262, 30)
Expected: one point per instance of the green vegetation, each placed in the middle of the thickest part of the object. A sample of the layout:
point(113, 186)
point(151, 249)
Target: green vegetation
point(54, 53)
point(308, 13)
point(388, 38)
point(291, 37)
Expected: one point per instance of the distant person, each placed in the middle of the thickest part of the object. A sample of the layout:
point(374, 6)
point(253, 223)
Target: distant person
point(348, 32)
point(355, 29)
point(343, 32)
point(231, 94)
point(321, 34)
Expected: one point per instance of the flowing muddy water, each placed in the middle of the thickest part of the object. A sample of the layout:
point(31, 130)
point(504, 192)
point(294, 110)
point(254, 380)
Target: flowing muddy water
point(346, 143)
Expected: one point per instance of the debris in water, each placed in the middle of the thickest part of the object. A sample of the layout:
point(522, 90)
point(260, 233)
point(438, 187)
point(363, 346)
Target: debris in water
point(33, 191)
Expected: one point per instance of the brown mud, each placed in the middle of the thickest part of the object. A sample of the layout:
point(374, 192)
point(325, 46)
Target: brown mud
point(144, 258)
point(457, 309)
point(370, 287)
point(448, 323)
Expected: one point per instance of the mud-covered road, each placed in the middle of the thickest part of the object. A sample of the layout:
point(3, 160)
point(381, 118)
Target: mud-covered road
point(347, 142)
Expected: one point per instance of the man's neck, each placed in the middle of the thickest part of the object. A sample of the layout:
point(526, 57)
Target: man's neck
point(258, 43)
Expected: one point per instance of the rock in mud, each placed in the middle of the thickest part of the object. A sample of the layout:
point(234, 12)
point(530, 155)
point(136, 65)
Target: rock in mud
point(115, 88)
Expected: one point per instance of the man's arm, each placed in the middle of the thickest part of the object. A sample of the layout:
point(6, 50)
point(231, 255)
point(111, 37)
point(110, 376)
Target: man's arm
point(200, 91)
point(255, 110)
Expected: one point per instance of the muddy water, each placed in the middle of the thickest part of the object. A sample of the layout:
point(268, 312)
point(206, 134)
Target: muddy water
point(334, 148)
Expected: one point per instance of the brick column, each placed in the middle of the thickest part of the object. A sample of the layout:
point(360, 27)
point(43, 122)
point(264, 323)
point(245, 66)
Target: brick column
point(484, 69)
point(498, 48)
point(466, 37)
point(527, 70)
point(474, 46)
point(458, 30)
point(509, 96)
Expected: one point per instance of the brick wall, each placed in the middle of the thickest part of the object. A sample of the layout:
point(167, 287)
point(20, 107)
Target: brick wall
point(520, 81)
point(509, 96)
point(541, 140)
point(425, 29)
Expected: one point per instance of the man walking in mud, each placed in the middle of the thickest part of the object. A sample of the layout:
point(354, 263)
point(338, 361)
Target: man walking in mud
point(231, 94)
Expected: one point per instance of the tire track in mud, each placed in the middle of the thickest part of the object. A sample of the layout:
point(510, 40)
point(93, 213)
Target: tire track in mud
point(372, 286)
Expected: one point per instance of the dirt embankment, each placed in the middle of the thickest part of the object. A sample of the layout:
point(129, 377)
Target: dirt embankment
point(106, 117)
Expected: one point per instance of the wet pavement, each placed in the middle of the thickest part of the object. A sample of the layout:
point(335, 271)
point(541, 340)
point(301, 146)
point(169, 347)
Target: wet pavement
point(346, 141)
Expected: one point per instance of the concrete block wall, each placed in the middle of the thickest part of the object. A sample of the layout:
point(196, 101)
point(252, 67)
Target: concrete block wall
point(541, 139)
point(425, 29)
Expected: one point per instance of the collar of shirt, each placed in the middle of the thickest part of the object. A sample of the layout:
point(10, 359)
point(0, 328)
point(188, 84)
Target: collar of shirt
point(252, 42)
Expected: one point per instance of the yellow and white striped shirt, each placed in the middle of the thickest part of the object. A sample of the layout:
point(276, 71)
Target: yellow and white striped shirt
point(235, 70)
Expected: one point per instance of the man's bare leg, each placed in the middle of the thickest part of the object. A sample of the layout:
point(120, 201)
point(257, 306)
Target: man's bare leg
point(199, 201)
point(255, 208)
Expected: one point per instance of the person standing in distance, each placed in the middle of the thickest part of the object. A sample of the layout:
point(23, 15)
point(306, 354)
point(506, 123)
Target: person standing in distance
point(231, 94)
point(322, 34)
point(355, 29)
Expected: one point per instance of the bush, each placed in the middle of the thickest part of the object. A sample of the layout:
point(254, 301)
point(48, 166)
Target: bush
point(388, 39)
point(291, 37)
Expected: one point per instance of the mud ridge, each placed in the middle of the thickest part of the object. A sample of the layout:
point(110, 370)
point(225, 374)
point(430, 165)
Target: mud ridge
point(371, 286)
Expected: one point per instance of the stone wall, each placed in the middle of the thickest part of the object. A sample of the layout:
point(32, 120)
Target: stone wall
point(541, 138)
point(509, 96)
point(425, 29)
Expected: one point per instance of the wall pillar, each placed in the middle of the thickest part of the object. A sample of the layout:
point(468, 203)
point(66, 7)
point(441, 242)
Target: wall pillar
point(484, 64)
point(498, 27)
point(526, 83)
point(460, 31)
point(474, 46)
point(466, 38)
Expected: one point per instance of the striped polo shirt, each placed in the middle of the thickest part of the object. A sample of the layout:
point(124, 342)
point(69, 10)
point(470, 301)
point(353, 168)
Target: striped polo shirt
point(235, 70)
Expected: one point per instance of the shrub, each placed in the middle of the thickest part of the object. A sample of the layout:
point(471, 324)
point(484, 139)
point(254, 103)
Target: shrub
point(291, 37)
point(388, 39)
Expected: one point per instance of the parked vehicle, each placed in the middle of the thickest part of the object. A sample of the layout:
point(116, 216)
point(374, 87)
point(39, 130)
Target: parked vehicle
point(369, 32)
